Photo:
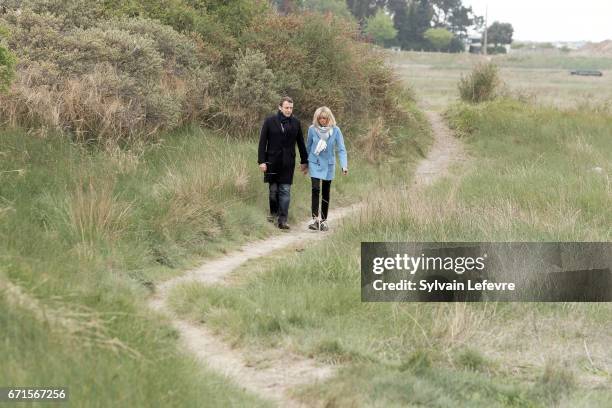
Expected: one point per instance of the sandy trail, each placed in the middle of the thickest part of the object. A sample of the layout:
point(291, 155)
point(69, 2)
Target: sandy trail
point(282, 370)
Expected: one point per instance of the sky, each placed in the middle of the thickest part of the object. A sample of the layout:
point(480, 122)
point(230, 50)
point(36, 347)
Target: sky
point(551, 20)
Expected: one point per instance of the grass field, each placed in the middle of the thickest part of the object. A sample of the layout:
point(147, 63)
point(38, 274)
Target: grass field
point(538, 78)
point(86, 233)
point(532, 177)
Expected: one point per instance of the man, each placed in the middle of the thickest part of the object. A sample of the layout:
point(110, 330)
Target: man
point(276, 158)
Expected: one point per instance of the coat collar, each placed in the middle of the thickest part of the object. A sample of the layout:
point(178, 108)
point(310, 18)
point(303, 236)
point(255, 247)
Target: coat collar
point(278, 122)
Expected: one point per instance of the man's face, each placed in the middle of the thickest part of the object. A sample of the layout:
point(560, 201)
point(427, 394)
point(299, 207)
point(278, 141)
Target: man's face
point(286, 108)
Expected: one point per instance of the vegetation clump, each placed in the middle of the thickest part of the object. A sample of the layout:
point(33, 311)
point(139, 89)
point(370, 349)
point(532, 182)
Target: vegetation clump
point(481, 84)
point(127, 71)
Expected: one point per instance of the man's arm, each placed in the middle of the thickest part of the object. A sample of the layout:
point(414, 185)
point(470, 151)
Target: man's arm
point(301, 146)
point(263, 143)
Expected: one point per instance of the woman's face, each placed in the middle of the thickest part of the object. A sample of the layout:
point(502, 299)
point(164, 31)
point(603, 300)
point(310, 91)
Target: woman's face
point(323, 120)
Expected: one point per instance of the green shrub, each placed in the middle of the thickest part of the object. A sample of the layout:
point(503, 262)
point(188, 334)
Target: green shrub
point(252, 94)
point(197, 99)
point(236, 15)
point(456, 45)
point(73, 13)
point(472, 359)
point(7, 63)
point(321, 63)
point(144, 66)
point(496, 49)
point(132, 55)
point(185, 17)
point(480, 85)
point(463, 118)
point(179, 53)
point(123, 78)
point(336, 7)
point(34, 36)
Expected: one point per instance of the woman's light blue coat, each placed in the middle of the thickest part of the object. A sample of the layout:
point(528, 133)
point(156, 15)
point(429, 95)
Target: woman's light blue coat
point(323, 166)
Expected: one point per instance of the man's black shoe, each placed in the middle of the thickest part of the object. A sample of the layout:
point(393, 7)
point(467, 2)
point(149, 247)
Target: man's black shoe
point(272, 218)
point(283, 226)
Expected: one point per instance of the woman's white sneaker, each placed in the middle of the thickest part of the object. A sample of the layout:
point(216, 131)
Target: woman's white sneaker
point(314, 225)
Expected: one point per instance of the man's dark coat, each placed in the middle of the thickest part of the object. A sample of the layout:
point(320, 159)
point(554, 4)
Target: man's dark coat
point(277, 148)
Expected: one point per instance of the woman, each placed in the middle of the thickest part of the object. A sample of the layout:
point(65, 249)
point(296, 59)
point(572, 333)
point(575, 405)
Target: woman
point(324, 138)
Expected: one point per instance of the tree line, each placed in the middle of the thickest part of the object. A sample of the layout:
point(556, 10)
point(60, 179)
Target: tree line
point(429, 25)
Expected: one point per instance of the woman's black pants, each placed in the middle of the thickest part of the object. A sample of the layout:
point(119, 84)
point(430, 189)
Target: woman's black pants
point(316, 189)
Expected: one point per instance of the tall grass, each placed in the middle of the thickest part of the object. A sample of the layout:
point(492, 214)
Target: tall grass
point(376, 143)
point(531, 179)
point(480, 85)
point(87, 232)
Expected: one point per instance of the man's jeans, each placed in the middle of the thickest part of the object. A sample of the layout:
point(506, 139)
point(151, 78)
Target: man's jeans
point(280, 195)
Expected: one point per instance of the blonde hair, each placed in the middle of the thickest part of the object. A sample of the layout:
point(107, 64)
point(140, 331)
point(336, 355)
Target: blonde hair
point(325, 111)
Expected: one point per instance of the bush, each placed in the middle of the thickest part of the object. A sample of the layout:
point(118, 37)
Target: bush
point(336, 7)
point(91, 106)
point(496, 49)
point(480, 85)
point(322, 63)
point(185, 17)
point(456, 45)
point(237, 15)
point(7, 63)
point(252, 93)
point(123, 78)
point(73, 13)
point(120, 70)
point(439, 38)
point(33, 36)
point(308, 65)
point(179, 53)
point(197, 100)
point(132, 55)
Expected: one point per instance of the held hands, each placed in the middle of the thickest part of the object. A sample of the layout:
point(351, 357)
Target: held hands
point(303, 167)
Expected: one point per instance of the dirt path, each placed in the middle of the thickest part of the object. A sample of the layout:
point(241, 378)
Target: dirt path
point(282, 370)
point(445, 152)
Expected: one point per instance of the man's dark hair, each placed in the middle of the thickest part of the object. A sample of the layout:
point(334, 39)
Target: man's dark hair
point(285, 99)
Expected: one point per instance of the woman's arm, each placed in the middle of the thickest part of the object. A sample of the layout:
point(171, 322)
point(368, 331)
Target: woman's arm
point(309, 141)
point(342, 150)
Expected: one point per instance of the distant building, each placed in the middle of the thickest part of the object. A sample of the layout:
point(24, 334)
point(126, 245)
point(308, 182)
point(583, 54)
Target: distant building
point(569, 45)
point(473, 44)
